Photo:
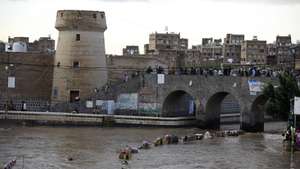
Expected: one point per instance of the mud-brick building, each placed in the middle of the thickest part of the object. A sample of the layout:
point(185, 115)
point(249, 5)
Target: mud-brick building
point(232, 47)
point(254, 51)
point(284, 51)
point(32, 75)
point(296, 53)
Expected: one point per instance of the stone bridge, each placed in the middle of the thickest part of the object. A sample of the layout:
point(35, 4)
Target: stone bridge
point(192, 96)
point(199, 96)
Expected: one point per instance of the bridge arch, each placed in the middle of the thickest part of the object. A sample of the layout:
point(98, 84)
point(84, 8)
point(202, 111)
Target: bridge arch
point(258, 104)
point(213, 108)
point(179, 103)
point(258, 112)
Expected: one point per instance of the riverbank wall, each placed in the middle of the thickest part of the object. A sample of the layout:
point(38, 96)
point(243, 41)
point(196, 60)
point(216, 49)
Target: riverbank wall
point(58, 118)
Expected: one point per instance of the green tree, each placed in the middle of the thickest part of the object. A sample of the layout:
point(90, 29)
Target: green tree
point(278, 104)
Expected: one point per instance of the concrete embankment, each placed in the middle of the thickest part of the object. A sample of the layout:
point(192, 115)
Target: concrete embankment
point(56, 118)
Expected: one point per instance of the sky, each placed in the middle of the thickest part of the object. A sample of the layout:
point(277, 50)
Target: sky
point(130, 22)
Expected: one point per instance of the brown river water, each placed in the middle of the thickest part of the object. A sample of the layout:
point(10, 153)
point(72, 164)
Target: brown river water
point(96, 148)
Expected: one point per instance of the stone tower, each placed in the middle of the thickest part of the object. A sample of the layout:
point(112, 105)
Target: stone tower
point(80, 62)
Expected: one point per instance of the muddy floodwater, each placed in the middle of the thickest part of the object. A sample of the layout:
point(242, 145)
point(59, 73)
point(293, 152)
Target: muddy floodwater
point(96, 148)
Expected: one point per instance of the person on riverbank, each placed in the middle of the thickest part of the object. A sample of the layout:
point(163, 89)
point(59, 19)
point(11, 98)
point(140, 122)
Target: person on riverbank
point(24, 106)
point(287, 134)
point(125, 154)
point(298, 138)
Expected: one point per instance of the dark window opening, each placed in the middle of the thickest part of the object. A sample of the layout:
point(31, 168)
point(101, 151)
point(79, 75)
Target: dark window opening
point(94, 15)
point(74, 96)
point(61, 14)
point(76, 64)
point(77, 37)
point(55, 92)
point(102, 15)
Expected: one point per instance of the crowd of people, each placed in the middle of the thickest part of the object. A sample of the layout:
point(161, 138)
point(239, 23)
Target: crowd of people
point(228, 71)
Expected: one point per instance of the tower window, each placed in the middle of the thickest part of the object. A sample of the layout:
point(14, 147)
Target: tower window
point(61, 14)
point(76, 64)
point(102, 15)
point(77, 37)
point(94, 15)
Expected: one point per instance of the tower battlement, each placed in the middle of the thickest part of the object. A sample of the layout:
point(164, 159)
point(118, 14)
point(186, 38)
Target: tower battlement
point(80, 20)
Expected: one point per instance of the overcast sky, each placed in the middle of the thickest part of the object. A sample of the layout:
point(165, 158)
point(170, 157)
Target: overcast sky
point(130, 21)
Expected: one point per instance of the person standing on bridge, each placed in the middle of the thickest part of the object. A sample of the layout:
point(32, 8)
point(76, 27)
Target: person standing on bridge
point(205, 72)
point(253, 72)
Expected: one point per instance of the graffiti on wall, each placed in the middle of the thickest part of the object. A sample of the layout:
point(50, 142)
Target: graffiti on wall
point(128, 101)
point(149, 108)
point(106, 105)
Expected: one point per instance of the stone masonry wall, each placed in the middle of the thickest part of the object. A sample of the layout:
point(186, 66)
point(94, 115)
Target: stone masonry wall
point(33, 74)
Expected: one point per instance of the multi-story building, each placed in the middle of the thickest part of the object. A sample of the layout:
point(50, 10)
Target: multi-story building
point(17, 44)
point(131, 51)
point(232, 48)
point(283, 53)
point(44, 44)
point(271, 54)
point(207, 41)
point(161, 41)
point(146, 49)
point(211, 49)
point(18, 39)
point(218, 41)
point(183, 43)
point(254, 52)
point(22, 44)
point(193, 58)
point(296, 54)
point(234, 38)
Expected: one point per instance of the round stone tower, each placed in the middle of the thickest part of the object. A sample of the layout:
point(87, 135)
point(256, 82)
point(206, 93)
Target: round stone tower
point(80, 62)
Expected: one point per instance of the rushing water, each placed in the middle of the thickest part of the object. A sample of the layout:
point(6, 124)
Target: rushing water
point(96, 148)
